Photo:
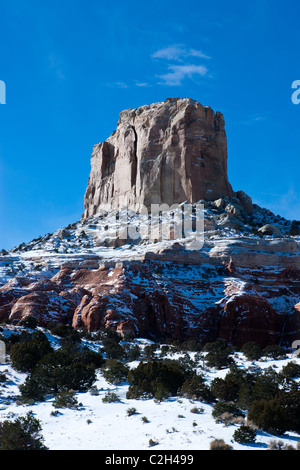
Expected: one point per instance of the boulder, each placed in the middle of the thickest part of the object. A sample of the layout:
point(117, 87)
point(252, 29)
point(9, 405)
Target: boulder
point(246, 202)
point(269, 229)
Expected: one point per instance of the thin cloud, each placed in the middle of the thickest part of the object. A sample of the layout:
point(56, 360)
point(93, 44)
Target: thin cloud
point(56, 66)
point(178, 73)
point(252, 119)
point(142, 84)
point(117, 85)
point(178, 52)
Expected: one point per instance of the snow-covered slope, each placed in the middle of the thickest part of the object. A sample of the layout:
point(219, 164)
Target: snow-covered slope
point(95, 425)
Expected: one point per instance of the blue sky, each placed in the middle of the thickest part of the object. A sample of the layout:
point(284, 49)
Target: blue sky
point(70, 67)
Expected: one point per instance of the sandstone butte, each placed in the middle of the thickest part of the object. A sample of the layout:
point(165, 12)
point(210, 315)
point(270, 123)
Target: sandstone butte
point(242, 285)
point(168, 152)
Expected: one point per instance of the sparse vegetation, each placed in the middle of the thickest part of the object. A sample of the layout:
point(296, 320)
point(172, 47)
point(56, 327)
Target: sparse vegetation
point(65, 399)
point(23, 433)
point(244, 435)
point(244, 398)
point(155, 378)
point(219, 444)
point(110, 397)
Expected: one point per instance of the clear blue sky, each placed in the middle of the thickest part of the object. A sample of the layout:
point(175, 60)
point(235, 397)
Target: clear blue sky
point(71, 66)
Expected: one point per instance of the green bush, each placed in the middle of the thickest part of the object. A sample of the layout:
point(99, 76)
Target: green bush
point(268, 415)
point(274, 351)
point(112, 347)
point(21, 434)
point(133, 353)
point(29, 322)
point(218, 354)
point(115, 372)
point(131, 411)
point(226, 407)
point(195, 387)
point(57, 371)
point(256, 386)
point(290, 371)
point(148, 378)
point(244, 435)
point(110, 397)
point(70, 338)
point(3, 378)
point(224, 389)
point(25, 355)
point(252, 350)
point(65, 399)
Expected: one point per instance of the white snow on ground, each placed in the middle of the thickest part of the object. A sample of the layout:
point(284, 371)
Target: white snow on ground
point(95, 425)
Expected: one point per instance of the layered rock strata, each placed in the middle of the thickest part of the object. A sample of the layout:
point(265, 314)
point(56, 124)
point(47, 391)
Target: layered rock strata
point(165, 153)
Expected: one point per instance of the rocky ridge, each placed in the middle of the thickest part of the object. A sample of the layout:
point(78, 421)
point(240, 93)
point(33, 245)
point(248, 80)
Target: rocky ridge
point(243, 285)
point(111, 269)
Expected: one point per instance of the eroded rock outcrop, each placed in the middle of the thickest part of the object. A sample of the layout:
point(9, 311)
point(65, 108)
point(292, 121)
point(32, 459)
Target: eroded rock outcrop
point(168, 152)
point(242, 284)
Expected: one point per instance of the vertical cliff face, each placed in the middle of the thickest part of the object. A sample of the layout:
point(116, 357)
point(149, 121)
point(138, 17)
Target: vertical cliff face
point(167, 152)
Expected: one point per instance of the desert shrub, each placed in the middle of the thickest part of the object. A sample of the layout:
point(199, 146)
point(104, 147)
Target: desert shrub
point(111, 344)
point(244, 435)
point(131, 411)
point(268, 415)
point(274, 351)
point(161, 392)
point(196, 410)
point(225, 407)
point(252, 350)
point(290, 371)
point(258, 386)
point(90, 357)
point(224, 389)
point(275, 445)
point(219, 444)
point(33, 390)
point(29, 322)
point(110, 397)
point(186, 362)
point(148, 377)
point(57, 371)
point(150, 349)
point(21, 434)
point(290, 402)
point(133, 353)
point(61, 330)
point(231, 387)
point(65, 399)
point(192, 344)
point(69, 337)
point(265, 385)
point(278, 414)
point(195, 387)
point(3, 378)
point(115, 372)
point(24, 355)
point(294, 228)
point(153, 443)
point(218, 354)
